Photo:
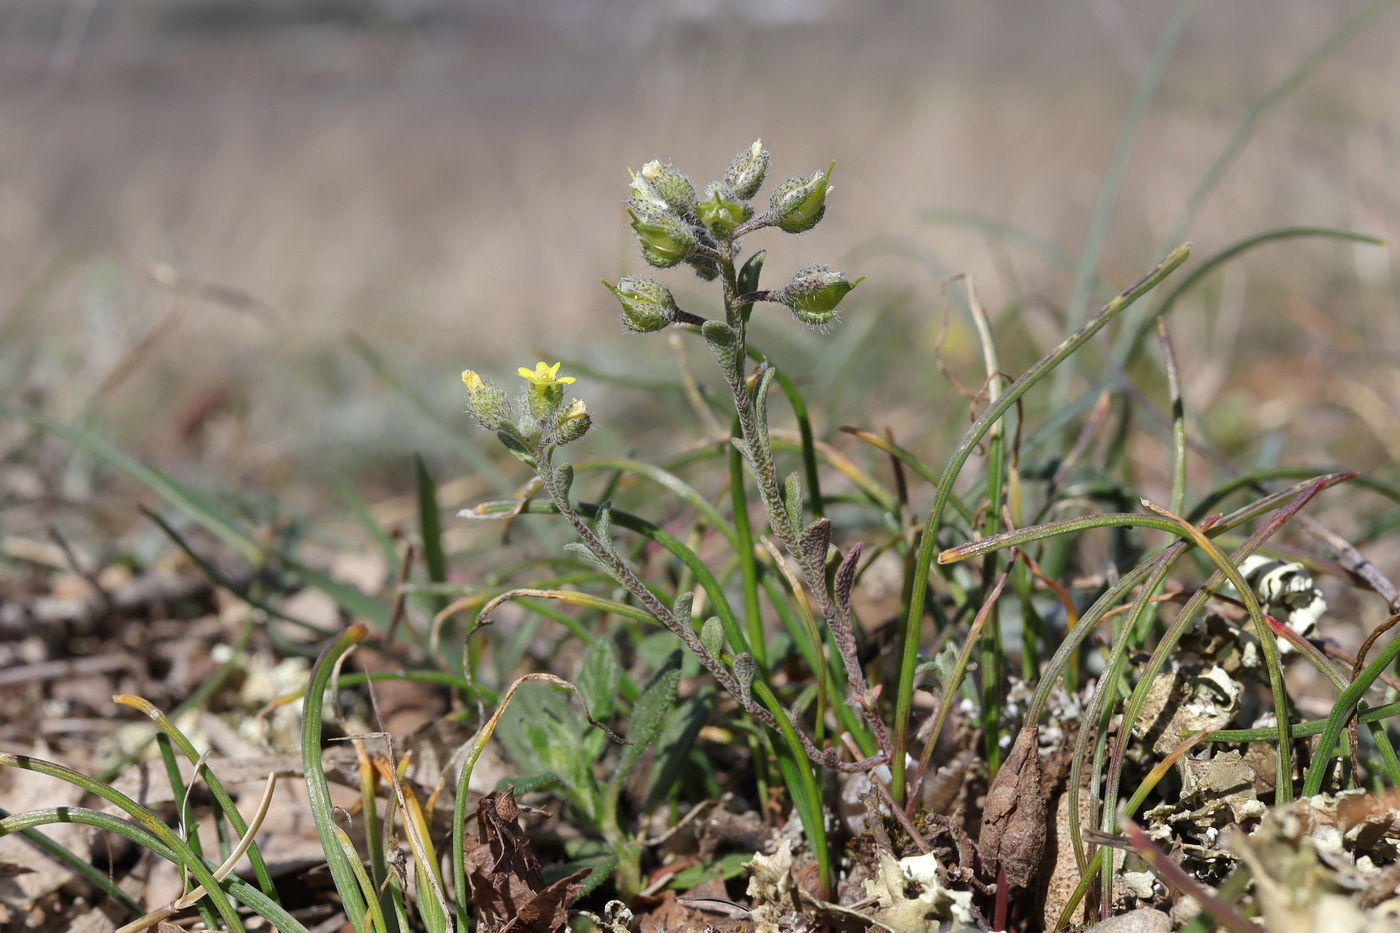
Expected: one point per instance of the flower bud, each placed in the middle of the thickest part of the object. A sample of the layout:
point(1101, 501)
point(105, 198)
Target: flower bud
point(722, 211)
point(745, 173)
point(487, 401)
point(645, 199)
point(647, 305)
point(573, 423)
point(666, 239)
point(813, 294)
point(797, 205)
point(675, 189)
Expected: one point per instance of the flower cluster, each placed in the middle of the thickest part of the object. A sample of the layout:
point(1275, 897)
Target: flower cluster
point(674, 226)
point(539, 417)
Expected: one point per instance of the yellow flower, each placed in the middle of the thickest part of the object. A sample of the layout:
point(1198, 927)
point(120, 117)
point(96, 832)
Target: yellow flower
point(471, 380)
point(543, 376)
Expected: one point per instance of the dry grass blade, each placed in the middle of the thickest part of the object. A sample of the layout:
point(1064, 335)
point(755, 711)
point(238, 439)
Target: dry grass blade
point(189, 900)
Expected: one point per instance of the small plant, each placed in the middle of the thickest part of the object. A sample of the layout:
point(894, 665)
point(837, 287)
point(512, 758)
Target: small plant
point(546, 735)
point(674, 227)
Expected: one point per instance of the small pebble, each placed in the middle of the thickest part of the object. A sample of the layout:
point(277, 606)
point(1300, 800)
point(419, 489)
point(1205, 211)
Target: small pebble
point(1144, 920)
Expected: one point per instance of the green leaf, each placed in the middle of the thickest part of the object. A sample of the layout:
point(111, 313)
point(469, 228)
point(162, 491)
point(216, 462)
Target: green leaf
point(195, 504)
point(792, 503)
point(723, 343)
point(519, 450)
point(598, 680)
point(674, 745)
point(743, 447)
point(583, 550)
point(712, 636)
point(681, 607)
point(743, 668)
point(726, 866)
point(752, 268)
point(602, 525)
point(529, 783)
point(649, 714)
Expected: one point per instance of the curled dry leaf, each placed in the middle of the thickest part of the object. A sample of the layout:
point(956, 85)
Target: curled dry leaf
point(1013, 820)
point(504, 873)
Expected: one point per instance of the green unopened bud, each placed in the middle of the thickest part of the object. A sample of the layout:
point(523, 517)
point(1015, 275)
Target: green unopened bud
point(814, 293)
point(487, 401)
point(722, 211)
point(745, 174)
point(675, 189)
point(647, 305)
point(797, 205)
point(574, 423)
point(666, 239)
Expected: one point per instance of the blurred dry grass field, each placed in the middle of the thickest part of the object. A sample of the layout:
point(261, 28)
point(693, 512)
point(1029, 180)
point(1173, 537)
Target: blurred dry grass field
point(204, 205)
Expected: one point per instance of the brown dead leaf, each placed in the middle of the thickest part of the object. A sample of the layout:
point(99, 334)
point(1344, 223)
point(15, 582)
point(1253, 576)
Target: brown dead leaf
point(548, 911)
point(1012, 835)
point(704, 907)
point(504, 873)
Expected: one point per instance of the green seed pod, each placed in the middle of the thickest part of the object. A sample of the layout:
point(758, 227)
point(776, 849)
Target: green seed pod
point(675, 189)
point(797, 205)
point(722, 211)
point(647, 305)
point(666, 239)
point(813, 294)
point(746, 172)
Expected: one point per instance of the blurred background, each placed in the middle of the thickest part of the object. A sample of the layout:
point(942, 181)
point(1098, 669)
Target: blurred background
point(258, 240)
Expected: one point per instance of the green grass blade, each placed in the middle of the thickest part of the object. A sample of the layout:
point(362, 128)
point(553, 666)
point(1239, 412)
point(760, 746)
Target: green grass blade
point(928, 540)
point(430, 522)
point(216, 787)
point(145, 819)
point(25, 823)
point(801, 783)
point(317, 791)
point(192, 503)
point(1300, 73)
point(1114, 172)
point(1132, 339)
point(240, 890)
point(1341, 711)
